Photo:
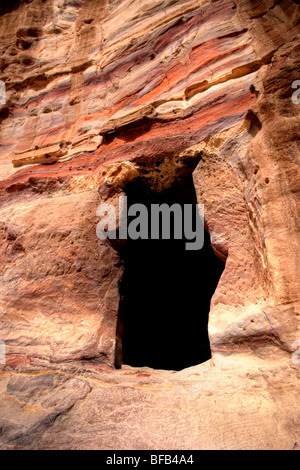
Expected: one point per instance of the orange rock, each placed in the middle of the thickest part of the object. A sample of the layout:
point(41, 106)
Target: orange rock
point(100, 94)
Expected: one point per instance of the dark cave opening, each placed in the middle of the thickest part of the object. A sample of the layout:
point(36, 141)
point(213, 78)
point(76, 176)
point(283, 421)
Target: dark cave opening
point(166, 292)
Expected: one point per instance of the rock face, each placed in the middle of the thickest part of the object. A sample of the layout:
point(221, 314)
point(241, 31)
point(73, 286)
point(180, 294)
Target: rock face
point(98, 92)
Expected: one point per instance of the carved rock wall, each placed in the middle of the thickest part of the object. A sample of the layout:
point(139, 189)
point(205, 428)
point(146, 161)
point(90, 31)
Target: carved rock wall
point(94, 91)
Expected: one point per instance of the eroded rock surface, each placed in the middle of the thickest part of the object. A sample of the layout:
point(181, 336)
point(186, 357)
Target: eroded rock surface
point(97, 92)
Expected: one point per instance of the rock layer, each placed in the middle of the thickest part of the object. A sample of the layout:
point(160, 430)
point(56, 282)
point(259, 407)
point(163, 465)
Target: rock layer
point(96, 93)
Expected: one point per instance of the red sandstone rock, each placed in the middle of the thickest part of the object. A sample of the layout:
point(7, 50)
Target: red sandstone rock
point(99, 89)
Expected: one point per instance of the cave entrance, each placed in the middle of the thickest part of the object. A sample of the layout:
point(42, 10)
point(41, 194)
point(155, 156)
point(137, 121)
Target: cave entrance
point(165, 292)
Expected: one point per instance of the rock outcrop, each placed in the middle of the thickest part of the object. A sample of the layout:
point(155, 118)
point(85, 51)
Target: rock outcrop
point(96, 92)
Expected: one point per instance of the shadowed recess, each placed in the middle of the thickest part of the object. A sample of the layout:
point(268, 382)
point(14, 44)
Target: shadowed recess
point(7, 6)
point(166, 292)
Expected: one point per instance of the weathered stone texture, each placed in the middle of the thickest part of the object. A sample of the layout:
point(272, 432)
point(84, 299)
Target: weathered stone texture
point(94, 89)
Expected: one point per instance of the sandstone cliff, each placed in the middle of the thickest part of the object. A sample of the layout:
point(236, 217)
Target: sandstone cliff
point(96, 91)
